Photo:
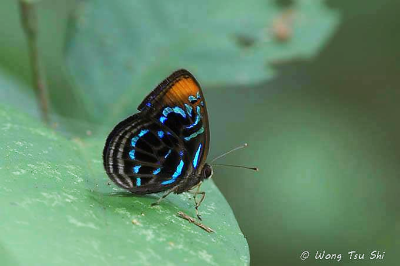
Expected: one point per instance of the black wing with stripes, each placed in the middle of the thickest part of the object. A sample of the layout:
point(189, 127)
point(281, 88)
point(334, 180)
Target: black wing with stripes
point(165, 144)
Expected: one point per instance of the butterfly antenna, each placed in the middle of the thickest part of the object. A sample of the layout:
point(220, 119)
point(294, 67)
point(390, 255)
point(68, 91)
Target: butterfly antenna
point(238, 166)
point(226, 153)
point(231, 165)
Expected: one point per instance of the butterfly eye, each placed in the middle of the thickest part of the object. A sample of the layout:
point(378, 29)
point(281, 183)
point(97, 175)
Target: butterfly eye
point(207, 171)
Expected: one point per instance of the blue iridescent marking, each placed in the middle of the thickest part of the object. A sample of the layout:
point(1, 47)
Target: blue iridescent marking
point(198, 95)
point(141, 134)
point(201, 130)
point(178, 170)
point(138, 182)
point(175, 175)
point(176, 110)
point(202, 103)
point(192, 98)
point(169, 152)
point(179, 111)
point(196, 157)
point(162, 119)
point(132, 154)
point(160, 134)
point(134, 140)
point(181, 153)
point(197, 118)
point(167, 110)
point(156, 171)
point(148, 104)
point(168, 182)
point(136, 169)
point(189, 109)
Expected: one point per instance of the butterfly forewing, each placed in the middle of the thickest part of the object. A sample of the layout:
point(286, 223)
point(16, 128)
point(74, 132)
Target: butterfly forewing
point(181, 97)
point(165, 143)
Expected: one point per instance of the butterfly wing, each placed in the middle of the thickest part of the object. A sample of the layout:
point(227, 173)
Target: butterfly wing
point(178, 103)
point(166, 143)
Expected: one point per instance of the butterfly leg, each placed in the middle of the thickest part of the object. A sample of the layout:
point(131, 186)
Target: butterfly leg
point(164, 196)
point(198, 203)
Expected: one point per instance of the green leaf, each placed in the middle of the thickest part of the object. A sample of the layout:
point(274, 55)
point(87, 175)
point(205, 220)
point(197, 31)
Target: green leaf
point(60, 209)
point(118, 51)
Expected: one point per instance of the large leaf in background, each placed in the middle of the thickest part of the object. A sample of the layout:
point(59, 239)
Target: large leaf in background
point(58, 209)
point(119, 50)
point(15, 92)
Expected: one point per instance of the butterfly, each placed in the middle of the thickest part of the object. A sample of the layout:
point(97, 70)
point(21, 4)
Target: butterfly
point(164, 147)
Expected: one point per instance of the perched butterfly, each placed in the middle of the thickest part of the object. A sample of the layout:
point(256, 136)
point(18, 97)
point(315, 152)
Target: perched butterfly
point(164, 147)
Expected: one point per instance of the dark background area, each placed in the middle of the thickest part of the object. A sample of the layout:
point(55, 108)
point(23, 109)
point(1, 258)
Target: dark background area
point(325, 134)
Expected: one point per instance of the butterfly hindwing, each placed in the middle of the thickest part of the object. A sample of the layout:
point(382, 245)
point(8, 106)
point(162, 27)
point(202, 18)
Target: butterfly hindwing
point(143, 156)
point(163, 145)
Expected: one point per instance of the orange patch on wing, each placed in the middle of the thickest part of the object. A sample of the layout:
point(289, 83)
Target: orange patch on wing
point(180, 91)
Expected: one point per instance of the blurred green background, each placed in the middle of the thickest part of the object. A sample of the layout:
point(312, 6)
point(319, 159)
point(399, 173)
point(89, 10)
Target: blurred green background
point(323, 129)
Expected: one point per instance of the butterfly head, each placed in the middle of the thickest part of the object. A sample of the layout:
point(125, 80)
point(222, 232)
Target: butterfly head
point(207, 171)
